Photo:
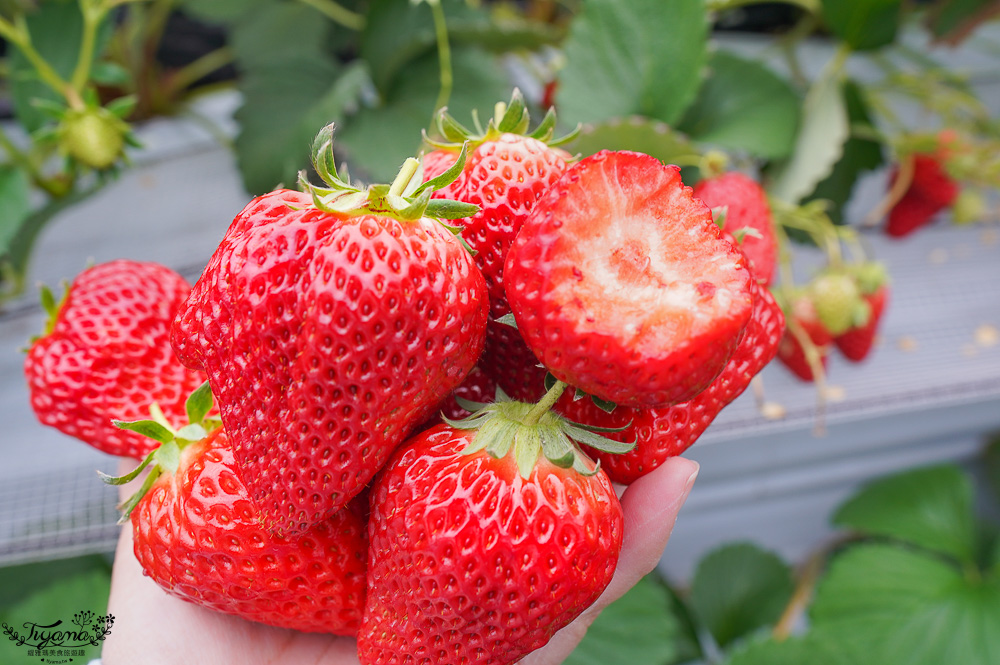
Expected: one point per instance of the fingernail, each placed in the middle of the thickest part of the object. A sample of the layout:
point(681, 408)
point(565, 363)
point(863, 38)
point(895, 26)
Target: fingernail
point(694, 476)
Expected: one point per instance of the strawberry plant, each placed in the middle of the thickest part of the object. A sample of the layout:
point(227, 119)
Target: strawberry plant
point(579, 317)
point(914, 554)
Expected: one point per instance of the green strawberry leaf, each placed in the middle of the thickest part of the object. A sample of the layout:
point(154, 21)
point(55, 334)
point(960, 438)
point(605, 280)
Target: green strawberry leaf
point(738, 589)
point(951, 21)
point(289, 95)
point(377, 139)
point(860, 155)
point(744, 105)
point(401, 32)
point(14, 188)
point(863, 24)
point(900, 606)
point(813, 648)
point(634, 133)
point(931, 508)
point(639, 629)
point(224, 11)
point(633, 58)
point(819, 144)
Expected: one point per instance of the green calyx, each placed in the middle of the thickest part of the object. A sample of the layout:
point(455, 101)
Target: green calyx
point(91, 134)
point(52, 308)
point(406, 199)
point(529, 431)
point(167, 456)
point(870, 276)
point(508, 118)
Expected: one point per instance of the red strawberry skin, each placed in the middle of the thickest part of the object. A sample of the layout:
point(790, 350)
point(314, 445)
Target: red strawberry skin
point(747, 207)
point(662, 433)
point(327, 339)
point(857, 342)
point(931, 191)
point(622, 285)
point(197, 536)
point(108, 357)
point(505, 176)
point(790, 351)
point(470, 563)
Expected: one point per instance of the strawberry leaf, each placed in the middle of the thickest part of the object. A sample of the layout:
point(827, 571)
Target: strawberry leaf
point(902, 606)
point(645, 57)
point(651, 137)
point(639, 628)
point(744, 105)
point(863, 24)
point(930, 508)
point(738, 589)
point(820, 142)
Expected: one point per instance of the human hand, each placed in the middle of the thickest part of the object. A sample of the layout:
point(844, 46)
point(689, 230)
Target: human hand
point(155, 628)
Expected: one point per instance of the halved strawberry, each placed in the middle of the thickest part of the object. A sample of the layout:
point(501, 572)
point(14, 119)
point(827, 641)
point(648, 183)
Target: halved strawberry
point(662, 433)
point(622, 285)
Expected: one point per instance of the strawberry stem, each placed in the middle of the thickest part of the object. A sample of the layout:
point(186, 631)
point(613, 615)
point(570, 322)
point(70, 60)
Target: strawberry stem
point(543, 405)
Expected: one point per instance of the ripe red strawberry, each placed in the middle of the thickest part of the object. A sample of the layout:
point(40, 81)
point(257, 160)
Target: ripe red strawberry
point(622, 285)
point(196, 534)
point(330, 326)
point(746, 208)
point(506, 173)
point(791, 353)
point(106, 354)
point(931, 191)
point(857, 342)
point(661, 433)
point(474, 561)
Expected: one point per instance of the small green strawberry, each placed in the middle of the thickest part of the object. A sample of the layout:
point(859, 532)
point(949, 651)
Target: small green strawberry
point(93, 136)
point(835, 296)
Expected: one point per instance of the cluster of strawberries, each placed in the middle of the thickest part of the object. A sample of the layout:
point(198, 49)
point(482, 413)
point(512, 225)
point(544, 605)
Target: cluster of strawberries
point(600, 322)
point(839, 308)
